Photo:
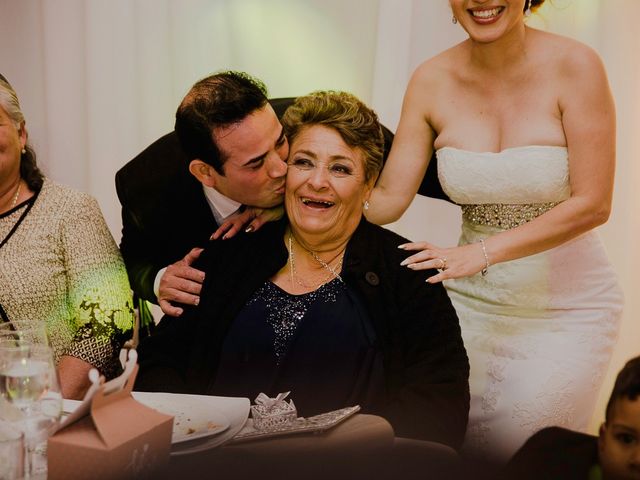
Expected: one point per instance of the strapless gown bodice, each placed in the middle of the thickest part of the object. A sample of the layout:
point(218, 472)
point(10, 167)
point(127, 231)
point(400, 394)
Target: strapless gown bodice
point(531, 174)
point(539, 330)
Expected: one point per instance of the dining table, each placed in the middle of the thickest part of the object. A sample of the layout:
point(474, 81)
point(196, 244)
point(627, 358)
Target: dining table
point(345, 443)
point(348, 450)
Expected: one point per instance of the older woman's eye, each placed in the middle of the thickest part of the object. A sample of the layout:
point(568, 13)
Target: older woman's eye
point(302, 163)
point(340, 170)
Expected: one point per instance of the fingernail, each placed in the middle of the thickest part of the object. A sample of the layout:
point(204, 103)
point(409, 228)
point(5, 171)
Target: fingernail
point(224, 237)
point(249, 229)
point(197, 301)
point(404, 263)
point(402, 247)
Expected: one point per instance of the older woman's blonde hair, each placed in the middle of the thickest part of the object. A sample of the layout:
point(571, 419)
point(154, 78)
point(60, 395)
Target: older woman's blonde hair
point(356, 123)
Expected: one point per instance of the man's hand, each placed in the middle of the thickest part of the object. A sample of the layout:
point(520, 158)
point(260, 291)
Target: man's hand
point(181, 283)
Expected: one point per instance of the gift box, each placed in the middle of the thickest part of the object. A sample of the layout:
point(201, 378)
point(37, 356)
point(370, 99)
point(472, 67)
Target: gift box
point(111, 435)
point(268, 413)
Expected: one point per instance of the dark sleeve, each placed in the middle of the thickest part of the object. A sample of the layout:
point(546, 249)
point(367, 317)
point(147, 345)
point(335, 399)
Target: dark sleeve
point(430, 185)
point(135, 247)
point(164, 356)
point(431, 399)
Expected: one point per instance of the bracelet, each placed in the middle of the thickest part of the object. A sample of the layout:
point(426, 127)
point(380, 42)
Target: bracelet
point(485, 270)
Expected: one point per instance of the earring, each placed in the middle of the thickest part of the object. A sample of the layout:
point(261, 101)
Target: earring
point(24, 150)
point(366, 205)
point(527, 12)
point(454, 20)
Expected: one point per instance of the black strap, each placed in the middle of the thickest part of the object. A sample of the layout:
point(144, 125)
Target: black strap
point(4, 317)
point(31, 201)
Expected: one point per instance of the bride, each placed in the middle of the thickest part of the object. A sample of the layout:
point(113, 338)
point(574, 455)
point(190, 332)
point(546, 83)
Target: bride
point(523, 124)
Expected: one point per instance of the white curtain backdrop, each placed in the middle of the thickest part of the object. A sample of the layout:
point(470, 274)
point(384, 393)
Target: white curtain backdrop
point(100, 79)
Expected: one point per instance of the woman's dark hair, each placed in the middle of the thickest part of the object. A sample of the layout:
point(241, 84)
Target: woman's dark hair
point(216, 101)
point(627, 385)
point(29, 170)
point(535, 4)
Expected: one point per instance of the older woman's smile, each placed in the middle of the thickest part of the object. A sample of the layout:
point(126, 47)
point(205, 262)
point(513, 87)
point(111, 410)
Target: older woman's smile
point(317, 203)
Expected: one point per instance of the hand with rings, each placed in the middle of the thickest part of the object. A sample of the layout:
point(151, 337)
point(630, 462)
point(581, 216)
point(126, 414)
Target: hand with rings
point(450, 263)
point(443, 263)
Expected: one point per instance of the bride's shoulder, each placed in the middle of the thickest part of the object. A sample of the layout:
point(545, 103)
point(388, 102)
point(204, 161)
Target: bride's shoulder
point(440, 68)
point(571, 58)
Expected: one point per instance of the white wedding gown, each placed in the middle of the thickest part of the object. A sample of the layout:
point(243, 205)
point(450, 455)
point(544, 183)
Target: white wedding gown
point(540, 330)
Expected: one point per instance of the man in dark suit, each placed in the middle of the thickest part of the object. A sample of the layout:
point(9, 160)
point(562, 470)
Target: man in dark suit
point(228, 150)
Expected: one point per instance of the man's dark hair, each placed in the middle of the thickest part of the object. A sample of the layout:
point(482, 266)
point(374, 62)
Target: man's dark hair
point(627, 384)
point(216, 101)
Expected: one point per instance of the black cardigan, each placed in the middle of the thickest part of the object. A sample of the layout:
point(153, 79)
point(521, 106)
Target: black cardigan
point(425, 363)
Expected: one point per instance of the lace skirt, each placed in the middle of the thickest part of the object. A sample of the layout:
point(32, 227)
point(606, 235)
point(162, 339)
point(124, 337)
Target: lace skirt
point(539, 332)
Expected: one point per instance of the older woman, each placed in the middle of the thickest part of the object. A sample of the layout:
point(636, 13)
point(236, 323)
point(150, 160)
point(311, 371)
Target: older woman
point(60, 264)
point(318, 303)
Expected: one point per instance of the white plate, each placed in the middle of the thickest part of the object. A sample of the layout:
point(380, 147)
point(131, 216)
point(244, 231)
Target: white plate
point(195, 416)
point(235, 409)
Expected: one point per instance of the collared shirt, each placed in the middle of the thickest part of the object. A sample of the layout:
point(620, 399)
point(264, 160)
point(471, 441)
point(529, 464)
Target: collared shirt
point(221, 206)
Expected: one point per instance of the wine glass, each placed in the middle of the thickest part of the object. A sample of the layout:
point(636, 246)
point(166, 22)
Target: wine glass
point(31, 396)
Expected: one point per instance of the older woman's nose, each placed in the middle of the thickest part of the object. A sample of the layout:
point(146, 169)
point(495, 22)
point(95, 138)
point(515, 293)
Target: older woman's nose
point(319, 177)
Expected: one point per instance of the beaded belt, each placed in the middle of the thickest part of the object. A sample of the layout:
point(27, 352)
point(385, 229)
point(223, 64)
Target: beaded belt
point(504, 215)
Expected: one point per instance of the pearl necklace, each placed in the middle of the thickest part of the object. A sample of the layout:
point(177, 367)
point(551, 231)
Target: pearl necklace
point(14, 200)
point(325, 265)
point(15, 197)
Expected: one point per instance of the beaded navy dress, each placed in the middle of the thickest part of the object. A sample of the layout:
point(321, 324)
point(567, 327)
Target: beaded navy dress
point(319, 345)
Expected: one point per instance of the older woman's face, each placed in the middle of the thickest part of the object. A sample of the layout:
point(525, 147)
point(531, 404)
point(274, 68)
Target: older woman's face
point(12, 141)
point(326, 185)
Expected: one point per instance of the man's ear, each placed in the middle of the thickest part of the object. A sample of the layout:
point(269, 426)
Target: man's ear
point(204, 172)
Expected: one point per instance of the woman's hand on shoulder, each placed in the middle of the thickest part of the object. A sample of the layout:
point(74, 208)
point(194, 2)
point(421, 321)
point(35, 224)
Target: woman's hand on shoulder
point(251, 219)
point(452, 262)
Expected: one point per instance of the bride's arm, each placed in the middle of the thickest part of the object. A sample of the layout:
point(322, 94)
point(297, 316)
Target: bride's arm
point(588, 120)
point(409, 157)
